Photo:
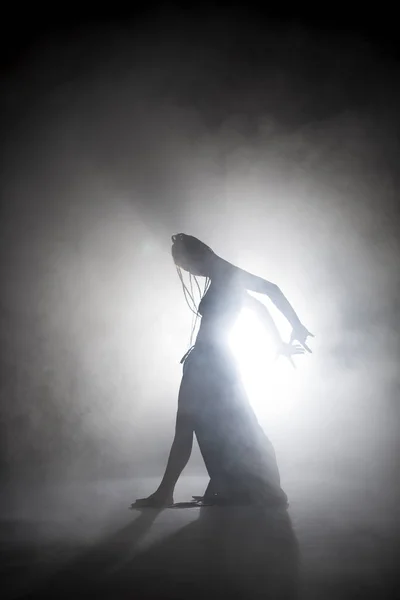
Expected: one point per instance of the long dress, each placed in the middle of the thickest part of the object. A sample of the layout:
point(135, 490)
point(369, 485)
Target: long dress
point(239, 457)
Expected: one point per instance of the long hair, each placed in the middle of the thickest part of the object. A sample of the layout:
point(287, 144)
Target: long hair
point(190, 296)
point(192, 249)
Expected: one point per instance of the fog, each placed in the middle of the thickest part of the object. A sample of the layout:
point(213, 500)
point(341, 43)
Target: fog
point(279, 150)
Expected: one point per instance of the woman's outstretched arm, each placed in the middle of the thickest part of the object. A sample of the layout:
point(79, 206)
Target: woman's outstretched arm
point(259, 285)
point(223, 269)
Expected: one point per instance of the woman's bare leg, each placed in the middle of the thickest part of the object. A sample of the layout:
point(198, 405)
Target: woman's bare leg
point(179, 455)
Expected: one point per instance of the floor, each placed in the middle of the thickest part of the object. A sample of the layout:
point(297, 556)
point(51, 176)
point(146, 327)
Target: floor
point(334, 542)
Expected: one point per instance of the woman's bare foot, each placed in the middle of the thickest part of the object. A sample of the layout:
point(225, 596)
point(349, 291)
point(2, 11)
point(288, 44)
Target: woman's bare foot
point(156, 500)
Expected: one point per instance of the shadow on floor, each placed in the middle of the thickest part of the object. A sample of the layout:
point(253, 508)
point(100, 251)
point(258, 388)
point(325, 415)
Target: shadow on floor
point(226, 553)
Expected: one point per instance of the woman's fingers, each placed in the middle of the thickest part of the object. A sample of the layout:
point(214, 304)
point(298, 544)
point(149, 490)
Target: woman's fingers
point(301, 335)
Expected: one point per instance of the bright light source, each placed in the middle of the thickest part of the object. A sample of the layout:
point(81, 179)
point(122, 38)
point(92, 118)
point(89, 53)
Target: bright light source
point(270, 383)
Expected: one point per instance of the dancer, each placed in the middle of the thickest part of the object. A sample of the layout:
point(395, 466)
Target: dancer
point(212, 402)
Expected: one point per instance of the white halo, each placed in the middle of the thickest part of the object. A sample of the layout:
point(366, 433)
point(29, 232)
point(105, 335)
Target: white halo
point(269, 383)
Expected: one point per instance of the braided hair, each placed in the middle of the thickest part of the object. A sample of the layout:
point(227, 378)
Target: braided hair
point(190, 296)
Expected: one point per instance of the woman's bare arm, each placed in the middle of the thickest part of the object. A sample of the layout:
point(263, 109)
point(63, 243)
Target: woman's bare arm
point(224, 269)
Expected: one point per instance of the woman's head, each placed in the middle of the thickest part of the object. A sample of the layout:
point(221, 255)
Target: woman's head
point(191, 254)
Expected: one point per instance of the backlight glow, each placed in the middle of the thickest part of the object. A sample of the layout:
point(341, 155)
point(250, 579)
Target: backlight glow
point(269, 382)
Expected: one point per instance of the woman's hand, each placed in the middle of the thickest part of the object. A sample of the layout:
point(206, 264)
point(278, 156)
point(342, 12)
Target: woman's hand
point(159, 499)
point(289, 350)
point(300, 334)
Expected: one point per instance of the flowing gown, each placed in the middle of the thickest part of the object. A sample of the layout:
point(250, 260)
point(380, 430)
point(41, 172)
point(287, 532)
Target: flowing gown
point(239, 457)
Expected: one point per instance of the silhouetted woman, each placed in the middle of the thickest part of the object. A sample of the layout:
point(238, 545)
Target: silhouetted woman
point(212, 402)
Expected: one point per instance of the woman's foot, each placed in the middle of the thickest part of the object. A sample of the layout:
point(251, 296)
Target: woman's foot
point(156, 500)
